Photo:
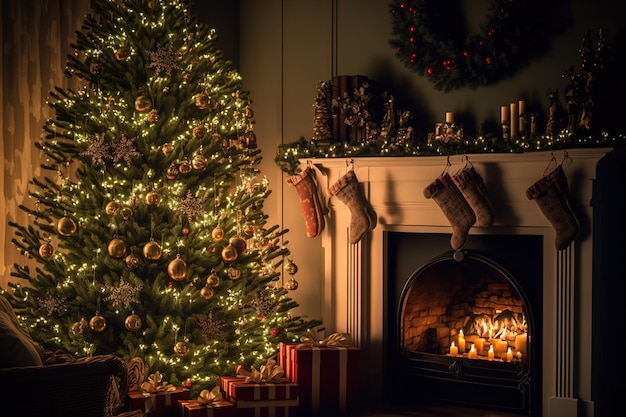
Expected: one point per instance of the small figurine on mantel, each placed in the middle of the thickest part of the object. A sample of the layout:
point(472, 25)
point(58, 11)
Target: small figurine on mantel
point(448, 131)
point(322, 115)
point(556, 113)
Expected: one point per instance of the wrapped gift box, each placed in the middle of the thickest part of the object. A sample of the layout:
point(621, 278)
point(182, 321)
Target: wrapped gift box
point(218, 408)
point(158, 404)
point(263, 399)
point(234, 388)
point(328, 376)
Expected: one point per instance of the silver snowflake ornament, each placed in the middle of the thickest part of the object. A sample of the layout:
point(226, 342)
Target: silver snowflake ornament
point(211, 328)
point(98, 150)
point(191, 206)
point(123, 293)
point(51, 303)
point(124, 149)
point(164, 59)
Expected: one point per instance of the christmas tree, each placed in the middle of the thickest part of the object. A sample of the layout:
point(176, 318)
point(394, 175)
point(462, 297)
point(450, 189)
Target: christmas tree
point(148, 236)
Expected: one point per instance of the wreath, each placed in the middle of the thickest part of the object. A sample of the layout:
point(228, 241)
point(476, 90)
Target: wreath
point(430, 38)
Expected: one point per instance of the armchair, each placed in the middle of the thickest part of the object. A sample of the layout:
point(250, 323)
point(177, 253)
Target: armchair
point(40, 382)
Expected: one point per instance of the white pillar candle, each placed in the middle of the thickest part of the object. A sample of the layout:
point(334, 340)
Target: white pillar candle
point(523, 120)
point(509, 355)
point(491, 353)
point(461, 342)
point(480, 345)
point(454, 350)
point(449, 117)
point(520, 343)
point(514, 120)
point(472, 353)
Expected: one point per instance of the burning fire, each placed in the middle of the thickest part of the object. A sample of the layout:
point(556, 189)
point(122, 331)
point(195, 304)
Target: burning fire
point(506, 325)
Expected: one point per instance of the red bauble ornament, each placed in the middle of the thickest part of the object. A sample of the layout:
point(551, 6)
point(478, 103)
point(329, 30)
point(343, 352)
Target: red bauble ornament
point(188, 383)
point(186, 231)
point(274, 332)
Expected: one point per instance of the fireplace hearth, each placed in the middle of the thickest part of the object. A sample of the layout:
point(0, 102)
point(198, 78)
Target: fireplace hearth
point(364, 283)
point(484, 295)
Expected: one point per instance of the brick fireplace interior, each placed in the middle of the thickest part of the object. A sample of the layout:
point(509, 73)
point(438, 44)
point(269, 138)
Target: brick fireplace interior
point(487, 294)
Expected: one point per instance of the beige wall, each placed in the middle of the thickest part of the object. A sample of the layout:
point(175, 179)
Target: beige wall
point(288, 46)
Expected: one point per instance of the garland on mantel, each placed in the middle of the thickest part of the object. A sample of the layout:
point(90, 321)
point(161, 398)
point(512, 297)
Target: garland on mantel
point(429, 38)
point(289, 155)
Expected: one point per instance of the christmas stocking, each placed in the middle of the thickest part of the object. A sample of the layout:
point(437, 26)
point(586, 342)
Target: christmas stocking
point(471, 185)
point(551, 194)
point(309, 201)
point(363, 218)
point(454, 207)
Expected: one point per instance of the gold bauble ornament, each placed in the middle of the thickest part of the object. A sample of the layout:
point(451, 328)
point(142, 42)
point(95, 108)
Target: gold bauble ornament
point(97, 323)
point(291, 267)
point(198, 132)
point(202, 100)
point(117, 248)
point(46, 250)
point(238, 243)
point(152, 251)
point(172, 171)
point(217, 233)
point(199, 161)
point(122, 53)
point(167, 148)
point(234, 273)
point(79, 327)
point(112, 207)
point(143, 104)
point(66, 226)
point(153, 198)
point(133, 322)
point(213, 280)
point(153, 116)
point(126, 213)
point(132, 261)
point(181, 349)
point(249, 228)
point(185, 167)
point(177, 269)
point(292, 284)
point(230, 254)
point(207, 293)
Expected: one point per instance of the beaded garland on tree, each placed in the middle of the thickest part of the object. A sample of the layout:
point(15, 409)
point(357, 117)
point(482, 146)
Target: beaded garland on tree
point(429, 39)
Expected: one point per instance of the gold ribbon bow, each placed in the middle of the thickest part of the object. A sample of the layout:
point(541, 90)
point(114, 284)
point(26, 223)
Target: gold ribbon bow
point(270, 372)
point(335, 339)
point(154, 384)
point(209, 397)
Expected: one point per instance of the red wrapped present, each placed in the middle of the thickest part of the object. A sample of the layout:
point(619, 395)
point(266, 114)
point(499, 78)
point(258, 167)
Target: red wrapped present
point(269, 408)
point(326, 371)
point(209, 404)
point(156, 398)
point(268, 383)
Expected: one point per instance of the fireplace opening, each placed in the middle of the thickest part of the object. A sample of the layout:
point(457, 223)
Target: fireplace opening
point(461, 326)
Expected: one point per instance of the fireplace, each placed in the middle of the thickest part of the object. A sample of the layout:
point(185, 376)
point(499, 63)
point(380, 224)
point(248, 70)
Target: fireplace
point(461, 325)
point(364, 283)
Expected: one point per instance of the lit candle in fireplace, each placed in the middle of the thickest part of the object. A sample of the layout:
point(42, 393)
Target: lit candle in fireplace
point(480, 345)
point(454, 350)
point(461, 342)
point(491, 353)
point(472, 353)
point(519, 355)
point(500, 347)
point(520, 343)
point(509, 355)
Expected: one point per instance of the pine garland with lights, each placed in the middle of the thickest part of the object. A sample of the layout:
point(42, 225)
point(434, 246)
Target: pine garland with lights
point(288, 155)
point(429, 38)
point(148, 237)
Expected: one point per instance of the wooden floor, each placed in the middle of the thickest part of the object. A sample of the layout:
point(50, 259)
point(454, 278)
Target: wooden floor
point(433, 410)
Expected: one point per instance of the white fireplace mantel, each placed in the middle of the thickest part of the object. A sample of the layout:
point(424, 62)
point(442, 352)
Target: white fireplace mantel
point(353, 295)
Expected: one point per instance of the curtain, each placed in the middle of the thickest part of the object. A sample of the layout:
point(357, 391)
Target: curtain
point(35, 39)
